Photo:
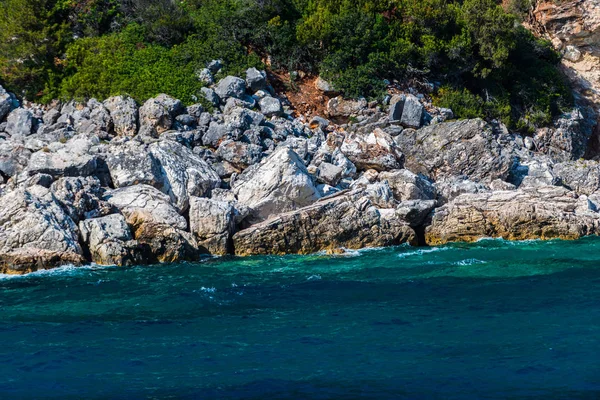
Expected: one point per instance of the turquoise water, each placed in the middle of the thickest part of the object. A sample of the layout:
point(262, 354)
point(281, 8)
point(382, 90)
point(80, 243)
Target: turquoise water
point(490, 320)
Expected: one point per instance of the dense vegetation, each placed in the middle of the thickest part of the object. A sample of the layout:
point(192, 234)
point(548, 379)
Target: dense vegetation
point(483, 62)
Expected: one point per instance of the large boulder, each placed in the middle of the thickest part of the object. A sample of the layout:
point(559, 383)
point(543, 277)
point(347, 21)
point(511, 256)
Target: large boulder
point(534, 213)
point(270, 106)
point(156, 224)
point(35, 232)
point(72, 159)
point(376, 150)
point(408, 110)
point(568, 139)
point(346, 220)
point(5, 103)
point(240, 154)
point(109, 241)
point(467, 148)
point(158, 114)
point(231, 86)
point(408, 186)
point(124, 113)
point(278, 184)
point(131, 164)
point(340, 107)
point(81, 197)
point(183, 173)
point(581, 176)
point(212, 222)
point(14, 157)
point(256, 80)
point(19, 122)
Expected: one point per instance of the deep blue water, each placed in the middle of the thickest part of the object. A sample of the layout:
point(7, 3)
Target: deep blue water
point(490, 320)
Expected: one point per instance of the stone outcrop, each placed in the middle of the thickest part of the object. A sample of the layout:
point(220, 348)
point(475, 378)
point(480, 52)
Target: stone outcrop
point(84, 182)
point(35, 232)
point(535, 213)
point(212, 222)
point(156, 224)
point(278, 184)
point(183, 173)
point(346, 220)
point(110, 242)
point(467, 148)
point(124, 113)
point(573, 27)
point(376, 150)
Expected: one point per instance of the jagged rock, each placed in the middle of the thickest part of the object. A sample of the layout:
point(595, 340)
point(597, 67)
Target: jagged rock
point(278, 184)
point(19, 122)
point(380, 194)
point(157, 114)
point(415, 212)
point(345, 220)
point(183, 173)
point(240, 154)
point(325, 87)
point(407, 110)
point(205, 76)
point(210, 95)
point(156, 223)
point(5, 103)
point(376, 150)
point(124, 113)
point(215, 66)
point(533, 173)
point(270, 106)
point(14, 157)
point(110, 242)
point(568, 139)
point(51, 116)
point(100, 117)
point(467, 147)
point(131, 164)
point(242, 118)
point(536, 213)
point(62, 163)
point(408, 186)
point(218, 133)
point(340, 107)
point(329, 173)
point(43, 180)
point(81, 197)
point(231, 86)
point(449, 188)
point(35, 232)
point(213, 223)
point(581, 176)
point(256, 80)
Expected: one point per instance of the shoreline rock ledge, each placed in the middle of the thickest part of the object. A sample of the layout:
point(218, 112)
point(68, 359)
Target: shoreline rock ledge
point(116, 183)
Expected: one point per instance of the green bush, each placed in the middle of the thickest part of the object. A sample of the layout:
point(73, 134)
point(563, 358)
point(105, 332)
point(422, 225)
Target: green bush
point(489, 65)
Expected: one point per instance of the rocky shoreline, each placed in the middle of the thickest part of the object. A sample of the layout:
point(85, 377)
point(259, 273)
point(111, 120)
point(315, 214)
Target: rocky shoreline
point(115, 183)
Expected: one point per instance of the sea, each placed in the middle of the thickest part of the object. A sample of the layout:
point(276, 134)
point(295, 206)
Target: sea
point(487, 320)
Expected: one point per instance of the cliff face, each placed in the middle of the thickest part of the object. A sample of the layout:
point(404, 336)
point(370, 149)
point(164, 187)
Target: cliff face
point(573, 26)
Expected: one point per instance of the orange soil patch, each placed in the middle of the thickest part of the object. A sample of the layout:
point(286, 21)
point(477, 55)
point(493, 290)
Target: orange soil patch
point(302, 94)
